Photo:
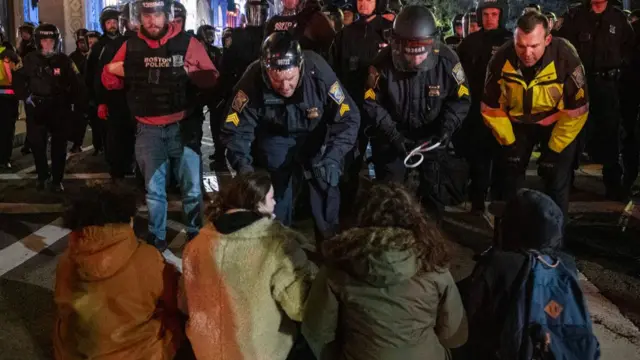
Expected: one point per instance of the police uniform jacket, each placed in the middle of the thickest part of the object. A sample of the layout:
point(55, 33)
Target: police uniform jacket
point(354, 49)
point(557, 96)
point(604, 41)
point(417, 104)
point(453, 41)
point(93, 68)
point(320, 119)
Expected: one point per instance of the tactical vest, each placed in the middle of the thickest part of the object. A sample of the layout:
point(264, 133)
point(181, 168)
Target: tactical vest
point(156, 79)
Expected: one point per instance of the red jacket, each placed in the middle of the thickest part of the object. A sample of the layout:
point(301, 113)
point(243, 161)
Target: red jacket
point(201, 71)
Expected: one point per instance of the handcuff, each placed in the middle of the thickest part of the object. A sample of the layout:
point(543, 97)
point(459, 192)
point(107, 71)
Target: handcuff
point(418, 153)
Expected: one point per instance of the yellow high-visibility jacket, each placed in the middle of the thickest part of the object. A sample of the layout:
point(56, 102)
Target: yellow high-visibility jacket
point(557, 96)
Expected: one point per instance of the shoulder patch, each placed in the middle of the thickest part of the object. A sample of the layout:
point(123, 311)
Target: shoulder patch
point(458, 73)
point(370, 95)
point(233, 118)
point(344, 108)
point(239, 101)
point(336, 93)
point(374, 76)
point(578, 76)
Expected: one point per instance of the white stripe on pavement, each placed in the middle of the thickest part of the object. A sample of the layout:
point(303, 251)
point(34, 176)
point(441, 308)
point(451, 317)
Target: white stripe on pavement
point(19, 252)
point(80, 176)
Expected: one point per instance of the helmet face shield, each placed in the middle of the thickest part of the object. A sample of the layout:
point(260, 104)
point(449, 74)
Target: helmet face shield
point(150, 13)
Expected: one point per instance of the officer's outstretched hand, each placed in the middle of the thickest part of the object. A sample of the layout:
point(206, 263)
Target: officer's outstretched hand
point(327, 170)
point(103, 111)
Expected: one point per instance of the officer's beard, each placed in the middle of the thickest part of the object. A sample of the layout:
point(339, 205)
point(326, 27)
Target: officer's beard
point(162, 33)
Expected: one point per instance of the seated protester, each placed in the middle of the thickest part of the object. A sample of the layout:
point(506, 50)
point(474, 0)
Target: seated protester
point(115, 296)
point(532, 224)
point(386, 293)
point(245, 277)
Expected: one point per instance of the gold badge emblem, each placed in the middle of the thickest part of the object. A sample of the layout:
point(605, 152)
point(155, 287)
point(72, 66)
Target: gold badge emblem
point(313, 113)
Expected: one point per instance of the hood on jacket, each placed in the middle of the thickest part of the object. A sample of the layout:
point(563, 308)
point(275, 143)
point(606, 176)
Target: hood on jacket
point(532, 221)
point(99, 252)
point(172, 31)
point(375, 255)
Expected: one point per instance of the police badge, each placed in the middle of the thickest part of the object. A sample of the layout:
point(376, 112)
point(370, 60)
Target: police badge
point(313, 113)
point(239, 101)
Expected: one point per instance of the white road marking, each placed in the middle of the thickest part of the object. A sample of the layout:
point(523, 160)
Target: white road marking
point(19, 252)
point(80, 176)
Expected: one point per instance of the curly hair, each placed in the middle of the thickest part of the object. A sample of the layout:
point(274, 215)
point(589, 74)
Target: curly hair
point(244, 192)
point(101, 204)
point(392, 206)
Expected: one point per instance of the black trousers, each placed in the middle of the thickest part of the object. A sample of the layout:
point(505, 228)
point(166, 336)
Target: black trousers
point(630, 141)
point(121, 139)
point(48, 119)
point(604, 130)
point(558, 183)
point(8, 117)
point(425, 180)
point(215, 124)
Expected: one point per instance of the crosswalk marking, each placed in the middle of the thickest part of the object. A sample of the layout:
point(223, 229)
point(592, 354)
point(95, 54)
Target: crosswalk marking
point(19, 252)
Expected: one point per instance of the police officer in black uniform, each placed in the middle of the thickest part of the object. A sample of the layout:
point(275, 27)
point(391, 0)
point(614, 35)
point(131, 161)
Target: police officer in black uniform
point(79, 58)
point(474, 140)
point(207, 36)
point(353, 50)
point(179, 15)
point(630, 102)
point(26, 46)
point(49, 84)
point(604, 40)
point(416, 93)
point(109, 18)
point(291, 108)
point(454, 40)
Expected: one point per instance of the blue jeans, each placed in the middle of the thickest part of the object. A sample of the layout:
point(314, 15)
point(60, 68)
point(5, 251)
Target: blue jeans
point(160, 150)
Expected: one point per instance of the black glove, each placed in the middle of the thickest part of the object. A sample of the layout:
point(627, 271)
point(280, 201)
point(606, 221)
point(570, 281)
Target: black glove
point(327, 170)
point(512, 155)
point(443, 138)
point(547, 163)
point(402, 145)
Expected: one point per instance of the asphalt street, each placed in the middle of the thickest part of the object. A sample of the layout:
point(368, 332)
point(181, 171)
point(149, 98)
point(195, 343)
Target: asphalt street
point(605, 241)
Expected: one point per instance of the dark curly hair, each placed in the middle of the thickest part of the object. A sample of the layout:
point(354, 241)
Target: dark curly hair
point(101, 204)
point(392, 206)
point(244, 192)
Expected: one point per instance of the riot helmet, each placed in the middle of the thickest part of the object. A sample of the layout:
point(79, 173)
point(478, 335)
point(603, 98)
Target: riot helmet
point(256, 12)
point(335, 16)
point(456, 23)
point(107, 14)
point(551, 18)
point(25, 30)
point(146, 14)
point(45, 32)
point(179, 15)
point(287, 7)
point(281, 62)
point(81, 40)
point(126, 25)
point(206, 34)
point(349, 14)
point(469, 23)
point(501, 5)
point(413, 38)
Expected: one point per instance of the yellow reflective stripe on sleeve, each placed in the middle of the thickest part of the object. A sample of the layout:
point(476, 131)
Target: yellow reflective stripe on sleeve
point(462, 91)
point(233, 118)
point(343, 109)
point(370, 95)
point(566, 130)
point(499, 123)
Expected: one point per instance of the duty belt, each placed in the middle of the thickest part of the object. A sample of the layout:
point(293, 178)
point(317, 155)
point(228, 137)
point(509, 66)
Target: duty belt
point(613, 74)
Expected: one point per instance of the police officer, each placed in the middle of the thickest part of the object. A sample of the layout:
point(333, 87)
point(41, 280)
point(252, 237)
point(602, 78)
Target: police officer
point(630, 102)
point(604, 39)
point(127, 27)
point(92, 38)
point(49, 83)
point(109, 18)
point(535, 62)
point(349, 13)
point(8, 102)
point(79, 58)
point(158, 70)
point(292, 109)
point(474, 141)
point(26, 46)
point(207, 36)
point(179, 15)
point(353, 50)
point(470, 23)
point(456, 24)
point(416, 93)
point(335, 15)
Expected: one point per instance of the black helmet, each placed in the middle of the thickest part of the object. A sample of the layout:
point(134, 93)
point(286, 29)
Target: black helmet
point(206, 34)
point(125, 18)
point(415, 32)
point(179, 11)
point(93, 34)
point(551, 15)
point(280, 51)
point(468, 19)
point(256, 12)
point(502, 5)
point(47, 31)
point(81, 34)
point(140, 7)
point(108, 13)
point(457, 21)
point(27, 27)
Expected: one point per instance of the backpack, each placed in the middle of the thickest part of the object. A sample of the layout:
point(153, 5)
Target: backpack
point(549, 319)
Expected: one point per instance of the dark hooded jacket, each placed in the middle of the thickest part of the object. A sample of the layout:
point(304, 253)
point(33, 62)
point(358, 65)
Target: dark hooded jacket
point(531, 221)
point(379, 305)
